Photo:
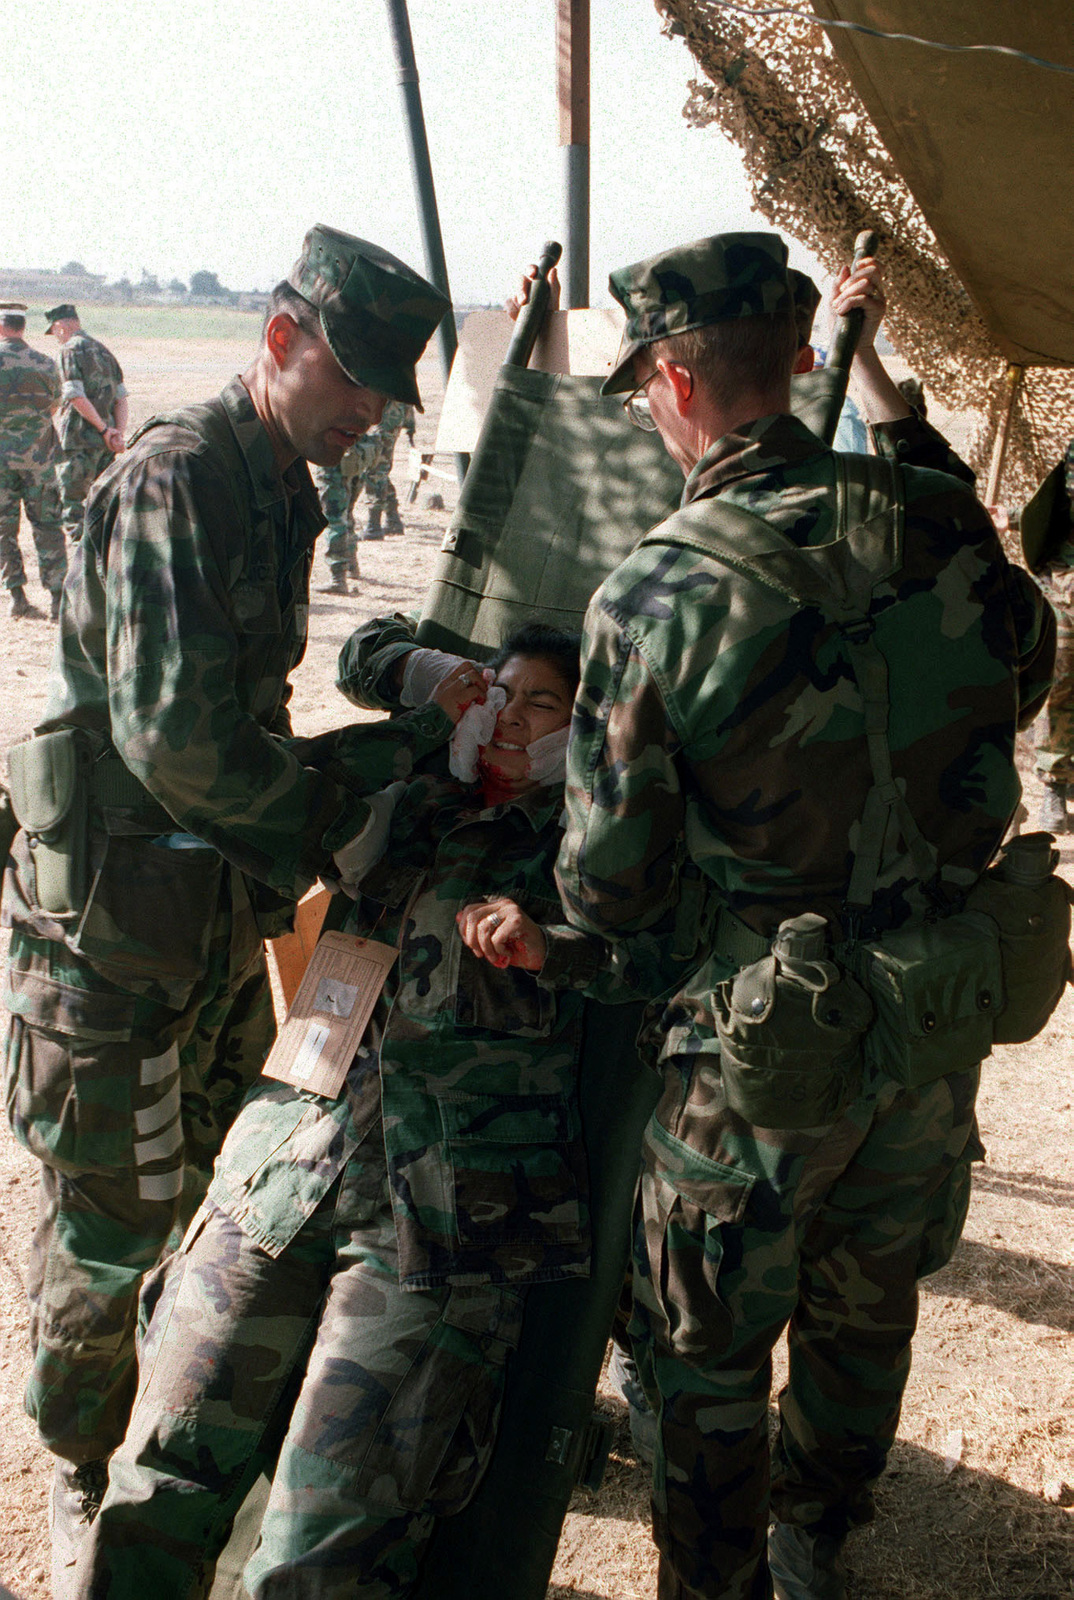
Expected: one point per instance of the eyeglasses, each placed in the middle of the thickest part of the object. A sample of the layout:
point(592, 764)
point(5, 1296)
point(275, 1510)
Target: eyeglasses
point(636, 405)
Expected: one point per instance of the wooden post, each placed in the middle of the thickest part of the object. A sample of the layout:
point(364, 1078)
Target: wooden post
point(1013, 379)
point(572, 79)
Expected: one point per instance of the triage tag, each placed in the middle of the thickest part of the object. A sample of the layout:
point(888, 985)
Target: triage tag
point(329, 1012)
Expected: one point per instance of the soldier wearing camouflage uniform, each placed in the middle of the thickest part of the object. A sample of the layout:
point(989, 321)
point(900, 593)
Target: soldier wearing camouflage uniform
point(396, 1227)
point(720, 729)
point(337, 496)
point(367, 466)
point(93, 422)
point(139, 995)
point(29, 393)
point(374, 469)
point(1054, 733)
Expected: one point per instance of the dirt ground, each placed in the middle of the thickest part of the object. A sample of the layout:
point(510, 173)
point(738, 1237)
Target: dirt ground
point(978, 1502)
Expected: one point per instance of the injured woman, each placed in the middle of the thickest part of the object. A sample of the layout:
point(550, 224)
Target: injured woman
point(343, 1307)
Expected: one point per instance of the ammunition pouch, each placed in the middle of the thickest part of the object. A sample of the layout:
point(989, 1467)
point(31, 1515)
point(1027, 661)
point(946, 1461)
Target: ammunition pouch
point(1033, 925)
point(790, 1027)
point(937, 988)
point(50, 790)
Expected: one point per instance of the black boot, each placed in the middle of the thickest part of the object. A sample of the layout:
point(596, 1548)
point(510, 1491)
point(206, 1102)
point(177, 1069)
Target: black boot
point(20, 606)
point(338, 584)
point(372, 527)
point(393, 521)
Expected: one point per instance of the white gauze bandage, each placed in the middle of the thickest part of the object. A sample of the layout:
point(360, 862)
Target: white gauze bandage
point(548, 757)
point(474, 728)
point(425, 671)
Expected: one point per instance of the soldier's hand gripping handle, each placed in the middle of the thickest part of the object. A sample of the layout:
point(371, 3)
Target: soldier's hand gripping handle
point(531, 316)
point(844, 341)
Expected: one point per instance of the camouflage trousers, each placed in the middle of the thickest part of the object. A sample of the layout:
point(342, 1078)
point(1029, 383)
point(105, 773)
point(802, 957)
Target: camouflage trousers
point(1054, 730)
point(742, 1232)
point(126, 1129)
point(337, 495)
point(75, 472)
point(35, 489)
point(383, 500)
point(373, 1410)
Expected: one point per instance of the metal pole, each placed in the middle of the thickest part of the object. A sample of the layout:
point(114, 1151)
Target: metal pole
point(1013, 379)
point(572, 59)
point(432, 239)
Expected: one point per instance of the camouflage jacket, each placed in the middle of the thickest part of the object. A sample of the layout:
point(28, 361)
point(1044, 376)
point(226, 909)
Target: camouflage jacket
point(29, 392)
point(189, 602)
point(721, 725)
point(363, 674)
point(914, 442)
point(477, 1065)
point(87, 368)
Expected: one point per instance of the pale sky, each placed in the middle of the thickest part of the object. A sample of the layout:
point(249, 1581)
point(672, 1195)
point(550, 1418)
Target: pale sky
point(174, 135)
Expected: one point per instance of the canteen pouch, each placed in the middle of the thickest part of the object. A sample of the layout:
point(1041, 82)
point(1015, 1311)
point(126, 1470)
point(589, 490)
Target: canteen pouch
point(937, 988)
point(1031, 909)
point(50, 786)
point(790, 1028)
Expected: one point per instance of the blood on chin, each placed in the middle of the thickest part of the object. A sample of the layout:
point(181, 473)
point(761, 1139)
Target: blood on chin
point(497, 785)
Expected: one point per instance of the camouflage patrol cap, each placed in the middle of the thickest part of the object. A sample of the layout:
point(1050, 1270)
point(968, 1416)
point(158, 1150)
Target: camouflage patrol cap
point(806, 300)
point(376, 314)
point(64, 313)
point(713, 280)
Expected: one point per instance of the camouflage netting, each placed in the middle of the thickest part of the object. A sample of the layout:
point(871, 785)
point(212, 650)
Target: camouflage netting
point(820, 172)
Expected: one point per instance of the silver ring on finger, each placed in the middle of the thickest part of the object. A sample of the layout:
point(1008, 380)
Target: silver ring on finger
point(494, 921)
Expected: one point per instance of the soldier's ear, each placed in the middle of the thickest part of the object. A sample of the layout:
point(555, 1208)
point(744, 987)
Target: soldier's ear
point(804, 360)
point(280, 333)
point(681, 380)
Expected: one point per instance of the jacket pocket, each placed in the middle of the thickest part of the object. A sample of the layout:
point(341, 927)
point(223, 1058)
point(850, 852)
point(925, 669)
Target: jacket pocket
point(501, 1000)
point(516, 1170)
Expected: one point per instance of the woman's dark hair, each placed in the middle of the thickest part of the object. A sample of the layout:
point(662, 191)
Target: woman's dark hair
point(540, 639)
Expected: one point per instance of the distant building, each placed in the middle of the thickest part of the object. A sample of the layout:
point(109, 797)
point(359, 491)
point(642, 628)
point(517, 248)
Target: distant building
point(34, 283)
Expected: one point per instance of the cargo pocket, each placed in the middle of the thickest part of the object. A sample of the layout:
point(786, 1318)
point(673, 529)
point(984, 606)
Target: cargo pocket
point(69, 1068)
point(438, 1431)
point(693, 1209)
point(945, 1215)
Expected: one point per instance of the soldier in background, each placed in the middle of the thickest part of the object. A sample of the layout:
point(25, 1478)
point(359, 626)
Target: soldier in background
point(1054, 733)
point(93, 422)
point(367, 465)
point(190, 822)
point(29, 394)
point(1048, 551)
point(375, 470)
point(337, 495)
point(719, 730)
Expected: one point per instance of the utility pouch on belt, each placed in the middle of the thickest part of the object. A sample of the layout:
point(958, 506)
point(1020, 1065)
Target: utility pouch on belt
point(50, 784)
point(1031, 909)
point(937, 988)
point(790, 1028)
